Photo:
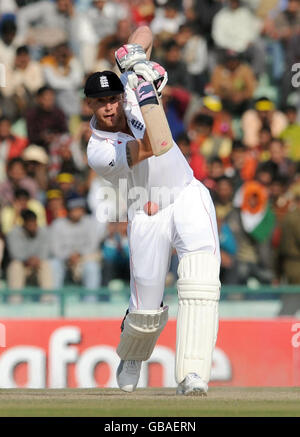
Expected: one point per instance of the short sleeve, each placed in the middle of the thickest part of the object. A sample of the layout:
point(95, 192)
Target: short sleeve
point(108, 158)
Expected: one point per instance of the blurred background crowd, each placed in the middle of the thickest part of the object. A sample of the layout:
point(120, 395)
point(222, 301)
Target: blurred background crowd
point(233, 105)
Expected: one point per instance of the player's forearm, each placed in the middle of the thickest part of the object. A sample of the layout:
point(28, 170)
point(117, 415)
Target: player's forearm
point(143, 36)
point(138, 150)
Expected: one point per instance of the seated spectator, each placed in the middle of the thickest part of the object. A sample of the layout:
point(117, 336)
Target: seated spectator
point(65, 156)
point(63, 73)
point(106, 54)
point(175, 101)
point(215, 170)
point(45, 120)
point(66, 184)
point(243, 165)
point(75, 246)
point(28, 248)
point(115, 252)
point(142, 12)
point(11, 146)
point(46, 23)
point(264, 175)
point(174, 64)
point(291, 134)
point(211, 105)
point(196, 160)
point(280, 198)
point(223, 197)
point(228, 251)
point(167, 19)
point(16, 178)
point(23, 80)
point(104, 16)
point(11, 215)
point(289, 255)
point(236, 28)
point(36, 164)
point(100, 20)
point(263, 114)
point(203, 15)
point(8, 42)
point(261, 150)
point(280, 28)
point(55, 206)
point(195, 55)
point(279, 164)
point(206, 143)
point(234, 82)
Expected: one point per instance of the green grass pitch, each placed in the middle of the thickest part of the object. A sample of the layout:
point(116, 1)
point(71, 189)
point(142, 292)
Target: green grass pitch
point(150, 402)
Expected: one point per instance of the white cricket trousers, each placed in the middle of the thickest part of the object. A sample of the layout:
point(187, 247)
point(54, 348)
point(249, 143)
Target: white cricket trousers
point(188, 225)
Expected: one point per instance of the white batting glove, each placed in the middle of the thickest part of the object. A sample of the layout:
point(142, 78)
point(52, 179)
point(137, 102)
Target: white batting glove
point(129, 54)
point(152, 72)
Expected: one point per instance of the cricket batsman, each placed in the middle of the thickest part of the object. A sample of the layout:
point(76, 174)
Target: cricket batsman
point(119, 148)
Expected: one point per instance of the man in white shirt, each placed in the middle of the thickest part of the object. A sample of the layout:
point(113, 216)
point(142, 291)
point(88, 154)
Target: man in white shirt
point(168, 208)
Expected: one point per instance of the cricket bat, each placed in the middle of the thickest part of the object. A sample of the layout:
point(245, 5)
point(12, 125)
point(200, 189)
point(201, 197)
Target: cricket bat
point(156, 122)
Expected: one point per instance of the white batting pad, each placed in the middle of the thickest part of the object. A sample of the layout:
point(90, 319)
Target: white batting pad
point(197, 321)
point(141, 331)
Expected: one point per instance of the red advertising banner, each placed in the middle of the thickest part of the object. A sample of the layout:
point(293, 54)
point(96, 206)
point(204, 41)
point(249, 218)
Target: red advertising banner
point(60, 353)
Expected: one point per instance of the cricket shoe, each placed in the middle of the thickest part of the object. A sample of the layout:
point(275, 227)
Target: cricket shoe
point(128, 374)
point(192, 385)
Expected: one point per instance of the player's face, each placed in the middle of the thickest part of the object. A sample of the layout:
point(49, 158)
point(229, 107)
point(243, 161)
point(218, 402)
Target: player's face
point(109, 112)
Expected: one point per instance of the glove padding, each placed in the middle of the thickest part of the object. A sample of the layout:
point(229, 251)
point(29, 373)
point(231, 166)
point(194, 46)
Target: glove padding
point(149, 71)
point(128, 55)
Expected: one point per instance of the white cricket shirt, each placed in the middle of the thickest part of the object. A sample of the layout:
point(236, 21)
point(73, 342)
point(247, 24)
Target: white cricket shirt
point(106, 154)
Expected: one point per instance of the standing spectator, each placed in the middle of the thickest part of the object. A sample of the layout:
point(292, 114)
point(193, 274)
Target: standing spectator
point(28, 248)
point(11, 146)
point(45, 120)
point(263, 114)
point(63, 73)
point(75, 246)
point(23, 80)
point(16, 178)
point(234, 82)
point(236, 28)
point(252, 223)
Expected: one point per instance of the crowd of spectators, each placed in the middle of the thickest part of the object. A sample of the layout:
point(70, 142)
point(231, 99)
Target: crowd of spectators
point(232, 103)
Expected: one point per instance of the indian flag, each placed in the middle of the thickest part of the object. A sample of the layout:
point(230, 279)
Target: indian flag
point(257, 217)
